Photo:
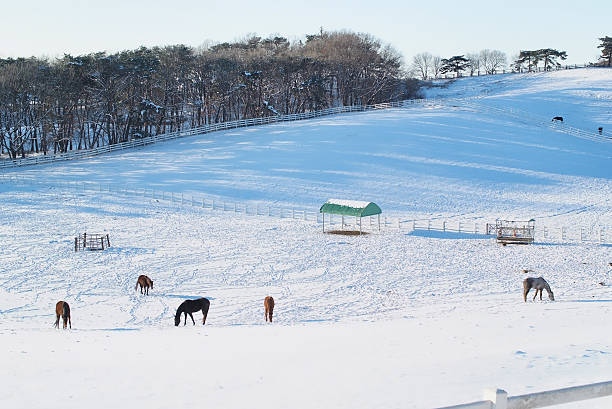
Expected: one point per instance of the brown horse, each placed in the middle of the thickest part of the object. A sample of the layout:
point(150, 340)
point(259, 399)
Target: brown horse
point(269, 304)
point(145, 282)
point(62, 309)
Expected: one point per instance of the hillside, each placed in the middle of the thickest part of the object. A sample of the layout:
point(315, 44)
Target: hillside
point(381, 320)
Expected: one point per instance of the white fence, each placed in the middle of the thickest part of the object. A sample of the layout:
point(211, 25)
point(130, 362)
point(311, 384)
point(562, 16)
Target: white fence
point(439, 227)
point(499, 399)
point(561, 67)
point(594, 135)
point(39, 159)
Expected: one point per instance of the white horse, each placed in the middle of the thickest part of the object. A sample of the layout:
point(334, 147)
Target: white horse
point(539, 284)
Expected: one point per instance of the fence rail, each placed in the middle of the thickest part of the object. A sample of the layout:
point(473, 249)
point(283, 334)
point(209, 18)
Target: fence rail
point(475, 228)
point(561, 67)
point(499, 399)
point(220, 126)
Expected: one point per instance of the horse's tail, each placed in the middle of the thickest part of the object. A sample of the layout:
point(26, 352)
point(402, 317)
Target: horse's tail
point(66, 313)
point(136, 286)
point(205, 307)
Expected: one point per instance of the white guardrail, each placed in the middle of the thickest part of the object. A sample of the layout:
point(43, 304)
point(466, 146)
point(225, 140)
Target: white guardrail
point(438, 227)
point(220, 126)
point(499, 399)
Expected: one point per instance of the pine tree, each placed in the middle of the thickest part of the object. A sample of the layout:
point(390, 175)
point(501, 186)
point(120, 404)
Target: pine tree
point(455, 64)
point(606, 49)
point(549, 56)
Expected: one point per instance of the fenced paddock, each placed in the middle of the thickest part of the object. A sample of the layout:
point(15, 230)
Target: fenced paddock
point(499, 399)
point(476, 228)
point(91, 242)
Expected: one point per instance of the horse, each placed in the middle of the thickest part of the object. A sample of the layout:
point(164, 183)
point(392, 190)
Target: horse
point(539, 284)
point(269, 305)
point(62, 309)
point(145, 282)
point(558, 118)
point(190, 306)
point(600, 130)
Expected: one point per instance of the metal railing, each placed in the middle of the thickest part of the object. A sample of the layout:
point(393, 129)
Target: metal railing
point(499, 399)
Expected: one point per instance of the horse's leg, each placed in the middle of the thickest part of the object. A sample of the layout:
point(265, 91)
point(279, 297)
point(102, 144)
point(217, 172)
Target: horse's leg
point(271, 312)
point(536, 294)
point(185, 317)
point(191, 315)
point(56, 325)
point(541, 290)
point(525, 292)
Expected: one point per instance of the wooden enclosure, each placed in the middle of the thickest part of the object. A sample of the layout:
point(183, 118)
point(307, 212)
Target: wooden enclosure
point(512, 231)
point(91, 242)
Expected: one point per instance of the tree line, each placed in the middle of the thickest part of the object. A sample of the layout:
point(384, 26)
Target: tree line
point(87, 101)
point(427, 66)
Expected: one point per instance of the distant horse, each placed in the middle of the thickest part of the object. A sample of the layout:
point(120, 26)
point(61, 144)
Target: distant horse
point(62, 309)
point(190, 306)
point(269, 304)
point(145, 282)
point(558, 118)
point(600, 129)
point(539, 284)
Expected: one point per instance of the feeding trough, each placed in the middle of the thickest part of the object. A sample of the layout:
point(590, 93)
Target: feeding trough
point(513, 232)
point(350, 208)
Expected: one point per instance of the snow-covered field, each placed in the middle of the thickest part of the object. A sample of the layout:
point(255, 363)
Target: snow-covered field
point(391, 319)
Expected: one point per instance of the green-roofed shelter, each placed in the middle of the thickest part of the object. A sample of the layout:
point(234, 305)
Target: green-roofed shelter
point(354, 208)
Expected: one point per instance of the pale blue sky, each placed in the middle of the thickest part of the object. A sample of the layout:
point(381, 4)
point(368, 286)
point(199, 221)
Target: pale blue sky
point(445, 28)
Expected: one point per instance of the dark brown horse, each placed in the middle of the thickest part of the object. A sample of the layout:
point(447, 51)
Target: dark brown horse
point(62, 309)
point(558, 118)
point(189, 307)
point(145, 282)
point(269, 305)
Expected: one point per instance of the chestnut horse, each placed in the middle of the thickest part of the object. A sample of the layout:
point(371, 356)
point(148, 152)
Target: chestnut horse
point(145, 282)
point(62, 309)
point(269, 304)
point(190, 306)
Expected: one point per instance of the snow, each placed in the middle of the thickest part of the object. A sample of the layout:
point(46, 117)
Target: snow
point(391, 319)
point(349, 203)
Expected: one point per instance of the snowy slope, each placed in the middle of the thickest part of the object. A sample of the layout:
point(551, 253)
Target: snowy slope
point(383, 320)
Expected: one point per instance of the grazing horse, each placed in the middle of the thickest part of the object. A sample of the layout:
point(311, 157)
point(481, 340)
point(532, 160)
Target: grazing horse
point(62, 309)
point(269, 304)
point(600, 130)
point(190, 306)
point(558, 118)
point(145, 282)
point(539, 284)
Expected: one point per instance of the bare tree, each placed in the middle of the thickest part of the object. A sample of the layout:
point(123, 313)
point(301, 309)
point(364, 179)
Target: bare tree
point(421, 64)
point(474, 63)
point(493, 60)
point(436, 66)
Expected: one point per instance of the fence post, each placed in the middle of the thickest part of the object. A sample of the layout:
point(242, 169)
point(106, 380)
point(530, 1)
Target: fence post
point(499, 397)
point(563, 234)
